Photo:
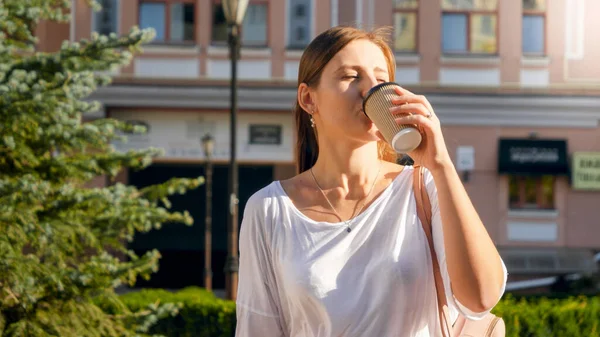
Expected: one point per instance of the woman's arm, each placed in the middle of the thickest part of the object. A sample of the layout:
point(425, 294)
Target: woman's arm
point(257, 305)
point(473, 263)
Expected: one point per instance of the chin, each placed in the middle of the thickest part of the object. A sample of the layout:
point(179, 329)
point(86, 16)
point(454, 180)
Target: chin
point(366, 132)
point(361, 136)
point(371, 136)
point(374, 138)
point(372, 130)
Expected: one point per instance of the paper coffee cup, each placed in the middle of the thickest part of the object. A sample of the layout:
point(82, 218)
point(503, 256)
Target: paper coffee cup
point(376, 105)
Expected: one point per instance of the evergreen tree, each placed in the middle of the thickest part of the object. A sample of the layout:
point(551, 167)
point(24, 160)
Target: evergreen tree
point(60, 242)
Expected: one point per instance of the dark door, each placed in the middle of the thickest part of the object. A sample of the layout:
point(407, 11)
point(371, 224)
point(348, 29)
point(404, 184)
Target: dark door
point(181, 246)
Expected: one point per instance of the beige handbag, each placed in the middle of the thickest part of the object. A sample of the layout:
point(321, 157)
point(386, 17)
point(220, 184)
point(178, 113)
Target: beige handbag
point(490, 325)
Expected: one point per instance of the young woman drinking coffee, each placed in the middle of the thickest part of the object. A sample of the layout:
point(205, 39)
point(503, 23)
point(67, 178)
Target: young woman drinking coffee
point(338, 250)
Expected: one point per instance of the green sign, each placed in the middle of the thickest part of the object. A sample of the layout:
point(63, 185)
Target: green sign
point(586, 171)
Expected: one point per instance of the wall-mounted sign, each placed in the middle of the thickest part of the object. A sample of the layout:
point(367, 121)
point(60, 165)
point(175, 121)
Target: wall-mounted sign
point(265, 134)
point(465, 158)
point(532, 157)
point(586, 171)
point(261, 137)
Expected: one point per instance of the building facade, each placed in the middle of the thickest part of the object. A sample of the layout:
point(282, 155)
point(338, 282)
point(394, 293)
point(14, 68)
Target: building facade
point(516, 85)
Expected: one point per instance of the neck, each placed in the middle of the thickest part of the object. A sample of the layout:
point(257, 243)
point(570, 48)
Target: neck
point(341, 165)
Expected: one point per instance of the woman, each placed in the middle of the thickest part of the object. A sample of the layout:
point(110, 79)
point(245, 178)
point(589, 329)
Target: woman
point(338, 249)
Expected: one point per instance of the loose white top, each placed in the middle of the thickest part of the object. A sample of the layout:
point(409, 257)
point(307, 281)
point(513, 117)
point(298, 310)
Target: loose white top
point(303, 278)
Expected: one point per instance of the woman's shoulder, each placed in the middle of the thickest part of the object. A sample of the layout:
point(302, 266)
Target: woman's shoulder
point(296, 187)
point(262, 199)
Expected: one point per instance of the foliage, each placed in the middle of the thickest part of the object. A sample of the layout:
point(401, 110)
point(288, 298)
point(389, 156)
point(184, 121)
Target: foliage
point(540, 317)
point(201, 314)
point(63, 245)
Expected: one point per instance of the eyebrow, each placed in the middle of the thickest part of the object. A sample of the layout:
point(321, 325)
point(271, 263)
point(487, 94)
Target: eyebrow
point(376, 69)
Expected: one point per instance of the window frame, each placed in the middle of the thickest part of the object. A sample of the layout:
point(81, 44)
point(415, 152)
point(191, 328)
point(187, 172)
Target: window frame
point(521, 181)
point(414, 10)
point(267, 22)
point(167, 40)
point(94, 20)
point(536, 12)
point(311, 23)
point(468, 13)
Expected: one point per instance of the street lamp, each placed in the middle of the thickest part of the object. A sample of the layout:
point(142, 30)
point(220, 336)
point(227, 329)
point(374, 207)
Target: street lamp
point(208, 143)
point(234, 11)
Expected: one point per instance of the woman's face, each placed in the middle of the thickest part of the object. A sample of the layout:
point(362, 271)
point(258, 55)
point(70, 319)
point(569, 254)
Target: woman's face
point(344, 82)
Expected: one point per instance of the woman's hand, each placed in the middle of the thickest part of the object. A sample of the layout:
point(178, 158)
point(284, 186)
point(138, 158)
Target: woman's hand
point(415, 109)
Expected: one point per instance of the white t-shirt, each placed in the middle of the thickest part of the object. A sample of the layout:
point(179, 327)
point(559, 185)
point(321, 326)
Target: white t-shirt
point(303, 278)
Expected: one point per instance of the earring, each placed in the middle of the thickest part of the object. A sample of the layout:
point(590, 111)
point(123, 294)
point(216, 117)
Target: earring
point(312, 121)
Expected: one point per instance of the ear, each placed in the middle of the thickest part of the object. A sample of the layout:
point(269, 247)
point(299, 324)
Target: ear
point(306, 98)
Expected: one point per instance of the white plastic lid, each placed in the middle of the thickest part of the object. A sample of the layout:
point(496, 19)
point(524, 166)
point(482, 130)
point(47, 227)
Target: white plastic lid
point(406, 140)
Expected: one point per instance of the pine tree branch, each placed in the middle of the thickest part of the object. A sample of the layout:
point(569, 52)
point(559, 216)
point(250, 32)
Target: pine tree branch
point(55, 235)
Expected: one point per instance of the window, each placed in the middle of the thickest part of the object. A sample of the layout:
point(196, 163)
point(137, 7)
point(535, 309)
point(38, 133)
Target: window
point(106, 20)
point(300, 34)
point(405, 25)
point(299, 23)
point(254, 28)
point(219, 25)
point(173, 20)
point(534, 27)
point(469, 26)
point(300, 10)
point(529, 192)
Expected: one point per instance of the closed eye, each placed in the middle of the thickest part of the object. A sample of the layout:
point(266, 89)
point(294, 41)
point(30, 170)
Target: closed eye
point(380, 80)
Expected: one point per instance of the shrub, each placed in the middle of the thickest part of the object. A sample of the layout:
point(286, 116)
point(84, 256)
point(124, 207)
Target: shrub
point(541, 317)
point(203, 314)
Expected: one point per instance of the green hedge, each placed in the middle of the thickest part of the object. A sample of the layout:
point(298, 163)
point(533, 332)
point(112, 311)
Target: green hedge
point(541, 317)
point(202, 314)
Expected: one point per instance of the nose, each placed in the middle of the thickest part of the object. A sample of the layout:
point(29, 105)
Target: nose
point(368, 83)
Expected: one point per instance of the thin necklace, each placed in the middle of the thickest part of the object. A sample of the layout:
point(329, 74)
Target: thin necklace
point(347, 222)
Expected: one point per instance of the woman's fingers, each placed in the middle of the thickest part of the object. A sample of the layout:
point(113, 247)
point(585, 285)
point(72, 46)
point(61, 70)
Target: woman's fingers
point(403, 92)
point(419, 120)
point(408, 97)
point(411, 108)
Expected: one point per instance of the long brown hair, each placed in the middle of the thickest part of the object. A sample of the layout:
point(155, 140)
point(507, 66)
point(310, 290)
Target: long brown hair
point(314, 59)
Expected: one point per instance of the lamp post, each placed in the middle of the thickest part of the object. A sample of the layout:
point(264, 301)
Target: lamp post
point(208, 143)
point(234, 11)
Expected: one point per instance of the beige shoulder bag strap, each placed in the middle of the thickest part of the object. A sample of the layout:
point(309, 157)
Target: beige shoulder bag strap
point(424, 213)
